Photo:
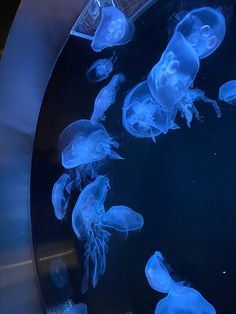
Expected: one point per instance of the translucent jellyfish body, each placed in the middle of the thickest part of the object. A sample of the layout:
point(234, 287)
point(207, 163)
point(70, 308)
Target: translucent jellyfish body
point(180, 299)
point(187, 108)
point(58, 272)
point(106, 97)
point(174, 73)
point(227, 92)
point(60, 195)
point(143, 116)
point(114, 29)
point(100, 69)
point(80, 308)
point(90, 222)
point(204, 28)
point(157, 274)
point(84, 142)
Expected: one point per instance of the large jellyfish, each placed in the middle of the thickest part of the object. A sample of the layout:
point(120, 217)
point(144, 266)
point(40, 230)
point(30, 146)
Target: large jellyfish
point(204, 28)
point(143, 116)
point(106, 97)
point(114, 29)
point(84, 143)
point(60, 195)
point(180, 298)
point(90, 223)
point(172, 76)
point(80, 308)
point(227, 92)
point(101, 69)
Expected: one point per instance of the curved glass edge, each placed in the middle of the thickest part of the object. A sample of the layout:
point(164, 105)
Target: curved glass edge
point(37, 36)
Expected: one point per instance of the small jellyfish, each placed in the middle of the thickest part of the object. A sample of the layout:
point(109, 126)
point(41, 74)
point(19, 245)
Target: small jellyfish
point(80, 308)
point(60, 195)
point(106, 97)
point(101, 69)
point(58, 273)
point(227, 92)
point(90, 222)
point(143, 116)
point(84, 142)
point(187, 108)
point(171, 77)
point(180, 299)
point(204, 28)
point(114, 29)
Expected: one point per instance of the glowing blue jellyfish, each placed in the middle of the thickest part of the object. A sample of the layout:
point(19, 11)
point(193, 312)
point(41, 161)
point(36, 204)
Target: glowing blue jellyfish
point(157, 274)
point(180, 299)
point(187, 108)
point(84, 143)
point(172, 76)
point(204, 28)
point(143, 116)
point(58, 272)
point(106, 97)
point(101, 69)
point(114, 29)
point(227, 92)
point(80, 308)
point(60, 195)
point(122, 219)
point(90, 223)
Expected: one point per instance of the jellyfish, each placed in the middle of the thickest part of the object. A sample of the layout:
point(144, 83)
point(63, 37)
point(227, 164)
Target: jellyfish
point(101, 69)
point(227, 92)
point(83, 143)
point(58, 272)
point(80, 308)
point(92, 224)
point(106, 97)
point(143, 116)
point(157, 274)
point(114, 29)
point(172, 76)
point(204, 29)
point(180, 298)
point(60, 195)
point(187, 108)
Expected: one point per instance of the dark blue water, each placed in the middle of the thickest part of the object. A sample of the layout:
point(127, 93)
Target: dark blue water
point(184, 185)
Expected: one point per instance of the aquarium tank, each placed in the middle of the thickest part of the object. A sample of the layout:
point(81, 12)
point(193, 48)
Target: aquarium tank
point(118, 164)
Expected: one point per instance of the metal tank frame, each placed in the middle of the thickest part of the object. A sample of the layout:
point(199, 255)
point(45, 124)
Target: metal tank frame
point(37, 36)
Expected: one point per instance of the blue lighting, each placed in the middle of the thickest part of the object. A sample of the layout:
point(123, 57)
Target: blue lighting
point(180, 298)
point(114, 29)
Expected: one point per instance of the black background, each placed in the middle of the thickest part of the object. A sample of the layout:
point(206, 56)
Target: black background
point(184, 185)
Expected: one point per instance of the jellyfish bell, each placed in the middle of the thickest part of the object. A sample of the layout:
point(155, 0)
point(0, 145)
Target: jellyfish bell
point(90, 222)
point(80, 308)
point(58, 272)
point(84, 142)
point(227, 92)
point(114, 29)
point(171, 77)
point(184, 300)
point(61, 195)
point(122, 219)
point(106, 97)
point(180, 298)
point(157, 274)
point(143, 117)
point(90, 202)
point(204, 28)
